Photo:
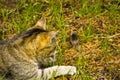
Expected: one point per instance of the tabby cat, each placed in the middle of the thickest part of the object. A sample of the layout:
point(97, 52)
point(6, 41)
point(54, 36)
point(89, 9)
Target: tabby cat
point(23, 56)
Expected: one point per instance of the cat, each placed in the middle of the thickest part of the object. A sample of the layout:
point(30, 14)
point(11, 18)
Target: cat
point(24, 56)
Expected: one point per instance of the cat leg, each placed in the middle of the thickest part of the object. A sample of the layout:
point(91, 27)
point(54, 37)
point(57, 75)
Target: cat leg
point(55, 71)
point(24, 71)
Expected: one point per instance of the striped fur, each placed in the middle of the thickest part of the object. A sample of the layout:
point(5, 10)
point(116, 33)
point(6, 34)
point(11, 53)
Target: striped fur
point(26, 56)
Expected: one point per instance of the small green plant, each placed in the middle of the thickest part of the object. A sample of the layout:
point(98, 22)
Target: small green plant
point(88, 9)
point(105, 45)
point(88, 32)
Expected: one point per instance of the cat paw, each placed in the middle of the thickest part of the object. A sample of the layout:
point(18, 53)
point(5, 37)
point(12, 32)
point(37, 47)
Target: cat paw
point(72, 70)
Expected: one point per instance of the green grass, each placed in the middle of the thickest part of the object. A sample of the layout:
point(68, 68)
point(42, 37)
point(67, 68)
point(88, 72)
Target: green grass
point(101, 21)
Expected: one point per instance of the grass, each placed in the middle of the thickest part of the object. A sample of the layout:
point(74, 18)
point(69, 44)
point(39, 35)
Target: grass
point(97, 25)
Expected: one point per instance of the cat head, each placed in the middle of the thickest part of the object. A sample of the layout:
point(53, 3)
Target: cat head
point(38, 42)
point(45, 44)
point(42, 41)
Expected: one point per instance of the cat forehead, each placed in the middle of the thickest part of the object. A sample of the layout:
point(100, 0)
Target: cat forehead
point(47, 35)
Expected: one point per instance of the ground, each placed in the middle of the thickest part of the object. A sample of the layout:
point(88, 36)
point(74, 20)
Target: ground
point(97, 26)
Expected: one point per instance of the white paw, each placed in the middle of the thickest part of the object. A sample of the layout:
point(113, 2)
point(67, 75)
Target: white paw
point(72, 70)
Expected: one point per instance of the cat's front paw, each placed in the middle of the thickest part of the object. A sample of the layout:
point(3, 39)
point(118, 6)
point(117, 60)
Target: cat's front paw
point(72, 70)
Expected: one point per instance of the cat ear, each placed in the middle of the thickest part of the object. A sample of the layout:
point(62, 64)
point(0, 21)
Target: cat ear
point(41, 24)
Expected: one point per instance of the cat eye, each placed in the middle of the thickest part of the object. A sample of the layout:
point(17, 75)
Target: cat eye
point(53, 40)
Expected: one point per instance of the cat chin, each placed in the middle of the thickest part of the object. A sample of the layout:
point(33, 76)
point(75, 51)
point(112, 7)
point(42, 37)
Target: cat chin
point(53, 58)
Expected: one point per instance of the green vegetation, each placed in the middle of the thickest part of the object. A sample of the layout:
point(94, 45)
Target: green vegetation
point(97, 23)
